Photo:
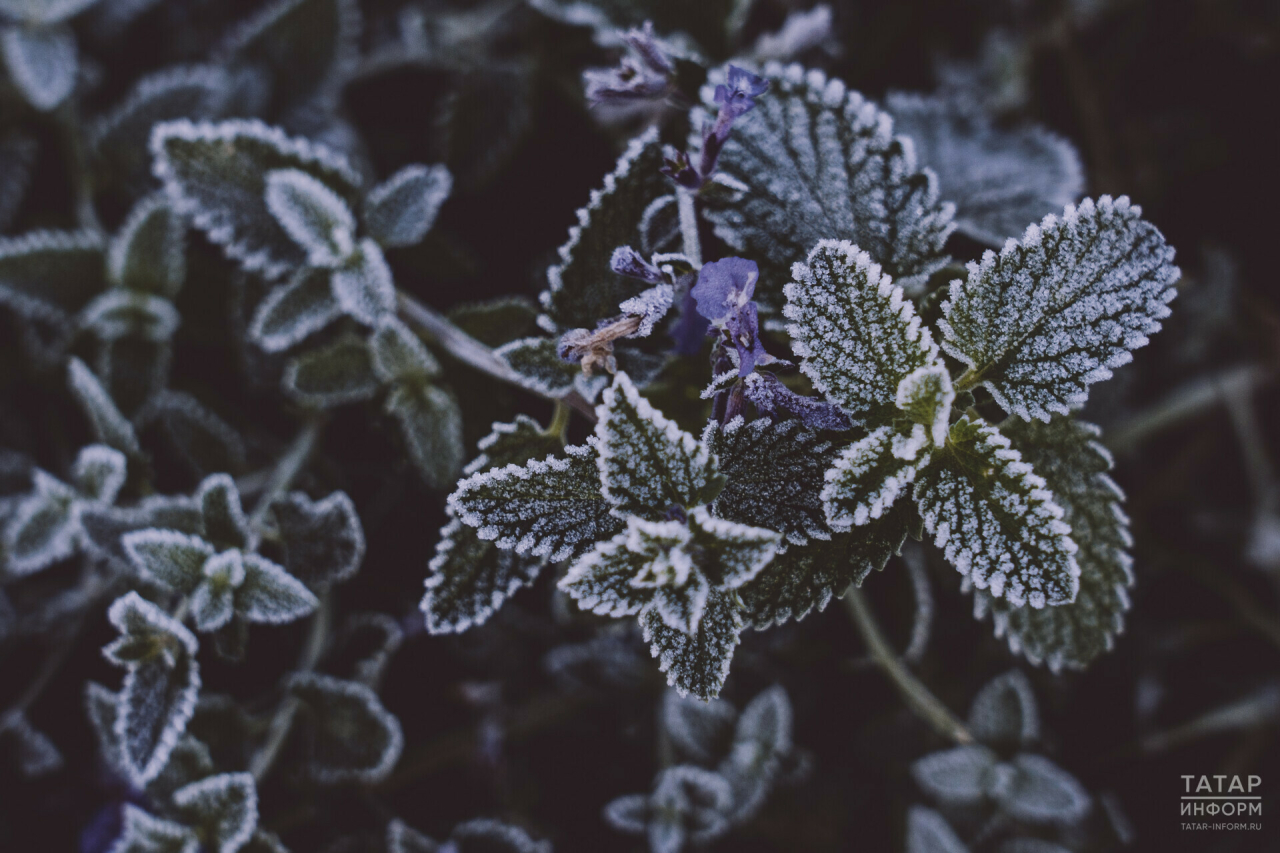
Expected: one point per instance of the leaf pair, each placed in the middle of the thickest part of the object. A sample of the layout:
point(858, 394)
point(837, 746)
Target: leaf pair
point(219, 814)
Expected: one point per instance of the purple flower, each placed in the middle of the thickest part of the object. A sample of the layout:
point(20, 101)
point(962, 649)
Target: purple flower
point(769, 395)
point(736, 96)
point(724, 287)
point(627, 261)
point(644, 74)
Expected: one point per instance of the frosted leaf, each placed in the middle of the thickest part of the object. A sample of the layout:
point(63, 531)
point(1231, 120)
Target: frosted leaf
point(189, 762)
point(582, 288)
point(995, 520)
point(398, 354)
point(33, 751)
point(805, 578)
point(818, 161)
point(168, 557)
point(99, 473)
point(604, 580)
point(402, 838)
point(730, 553)
point(773, 475)
point(701, 731)
point(100, 706)
point(43, 12)
point(551, 508)
point(44, 528)
point(651, 306)
point(121, 313)
point(1036, 790)
point(104, 527)
point(335, 374)
point(1075, 465)
point(855, 331)
point(925, 397)
point(999, 179)
point(470, 579)
point(401, 210)
point(363, 286)
point(322, 541)
point(495, 322)
point(539, 365)
point(42, 63)
point(148, 254)
point(144, 833)
point(160, 686)
point(483, 835)
point(697, 664)
point(216, 175)
point(117, 141)
point(1050, 315)
point(50, 274)
point(872, 473)
point(213, 602)
point(292, 311)
point(1004, 712)
point(958, 777)
point(225, 524)
point(108, 424)
point(200, 438)
point(365, 645)
point(688, 804)
point(17, 157)
point(929, 832)
point(270, 595)
point(316, 217)
point(761, 742)
point(431, 424)
point(224, 807)
point(517, 442)
point(351, 737)
point(646, 462)
point(628, 813)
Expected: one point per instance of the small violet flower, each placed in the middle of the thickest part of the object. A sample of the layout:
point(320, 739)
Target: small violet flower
point(735, 97)
point(723, 294)
point(644, 74)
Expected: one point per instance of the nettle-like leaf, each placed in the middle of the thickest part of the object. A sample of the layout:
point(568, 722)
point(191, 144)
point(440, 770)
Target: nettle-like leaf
point(148, 254)
point(697, 664)
point(1075, 465)
point(498, 321)
point(582, 289)
point(856, 332)
point(551, 508)
point(316, 217)
point(145, 833)
point(773, 475)
point(293, 311)
point(189, 762)
point(513, 444)
point(336, 374)
point(996, 521)
point(51, 274)
point(999, 179)
point(160, 686)
point(41, 61)
point(216, 175)
point(814, 161)
point(1004, 712)
point(351, 736)
point(701, 731)
point(223, 807)
point(401, 210)
point(399, 355)
point(538, 363)
point(760, 743)
point(872, 473)
point(929, 832)
point(1052, 314)
point(323, 541)
point(104, 526)
point(431, 424)
point(688, 805)
point(109, 425)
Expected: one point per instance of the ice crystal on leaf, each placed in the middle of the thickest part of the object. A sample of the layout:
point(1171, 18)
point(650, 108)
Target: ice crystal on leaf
point(350, 736)
point(145, 833)
point(688, 805)
point(872, 473)
point(224, 808)
point(316, 217)
point(1057, 311)
point(401, 210)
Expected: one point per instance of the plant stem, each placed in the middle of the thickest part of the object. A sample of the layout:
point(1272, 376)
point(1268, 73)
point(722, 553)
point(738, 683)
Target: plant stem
point(287, 469)
point(559, 422)
point(282, 722)
point(689, 226)
point(468, 350)
point(968, 380)
point(927, 706)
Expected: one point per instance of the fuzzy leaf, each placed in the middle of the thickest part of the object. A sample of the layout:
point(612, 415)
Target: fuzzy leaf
point(270, 595)
point(871, 474)
point(50, 272)
point(582, 289)
point(332, 375)
point(1004, 712)
point(773, 474)
point(294, 310)
point(646, 462)
point(697, 664)
point(858, 336)
point(44, 528)
point(121, 313)
point(929, 832)
point(401, 210)
point(551, 508)
point(513, 444)
point(104, 527)
point(959, 776)
point(688, 804)
point(925, 397)
point(33, 752)
point(160, 687)
point(364, 287)
point(352, 738)
point(999, 179)
point(761, 742)
point(996, 521)
point(316, 217)
point(431, 424)
point(148, 254)
point(225, 524)
point(110, 427)
point(189, 762)
point(204, 441)
point(144, 833)
point(216, 175)
point(1039, 791)
point(483, 835)
point(398, 354)
point(1075, 465)
point(323, 540)
point(603, 581)
point(225, 807)
point(818, 161)
point(1050, 315)
point(539, 365)
point(702, 731)
point(99, 473)
point(42, 63)
point(470, 579)
point(169, 557)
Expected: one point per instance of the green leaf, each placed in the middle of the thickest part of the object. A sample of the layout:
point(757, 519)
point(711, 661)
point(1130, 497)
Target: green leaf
point(497, 321)
point(332, 375)
point(1075, 465)
point(323, 541)
point(858, 336)
point(996, 521)
point(104, 527)
point(225, 524)
point(551, 508)
point(42, 62)
point(316, 217)
point(1051, 315)
point(270, 595)
point(351, 737)
point(958, 777)
point(50, 272)
point(399, 355)
point(773, 476)
point(121, 313)
point(168, 557)
point(110, 427)
point(1004, 713)
point(513, 444)
point(697, 664)
point(363, 286)
point(814, 161)
point(1036, 790)
point(470, 579)
point(582, 288)
point(647, 463)
point(224, 807)
point(44, 528)
point(293, 311)
point(216, 175)
point(925, 396)
point(144, 833)
point(148, 254)
point(401, 210)
point(872, 473)
point(929, 832)
point(431, 424)
point(538, 363)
